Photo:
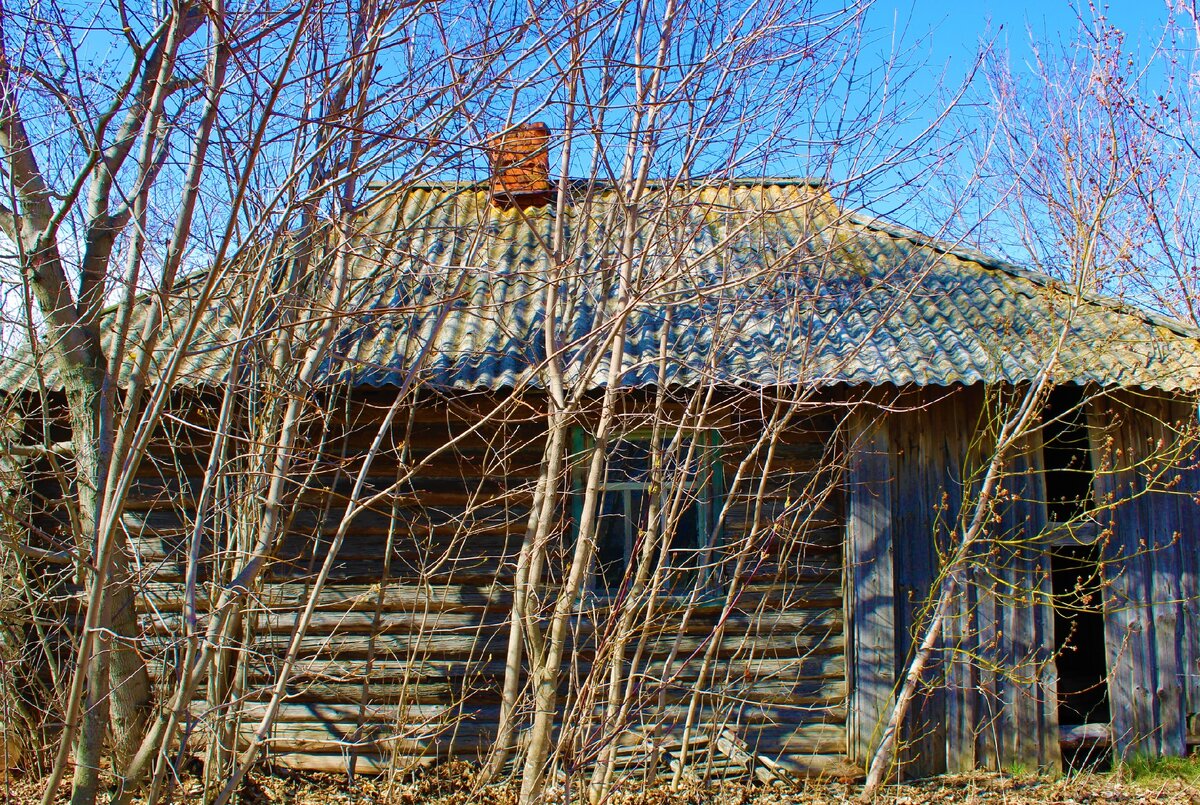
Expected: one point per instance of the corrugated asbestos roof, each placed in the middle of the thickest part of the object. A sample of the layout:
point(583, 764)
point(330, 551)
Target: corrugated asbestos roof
point(756, 283)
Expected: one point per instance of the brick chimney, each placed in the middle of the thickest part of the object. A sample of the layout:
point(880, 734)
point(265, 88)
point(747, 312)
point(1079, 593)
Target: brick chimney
point(520, 160)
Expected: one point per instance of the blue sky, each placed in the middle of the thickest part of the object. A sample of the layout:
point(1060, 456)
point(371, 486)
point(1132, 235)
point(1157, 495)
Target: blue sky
point(939, 43)
point(948, 33)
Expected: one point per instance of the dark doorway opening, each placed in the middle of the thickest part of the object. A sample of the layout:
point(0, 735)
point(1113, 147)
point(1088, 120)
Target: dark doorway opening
point(1076, 580)
point(1079, 635)
point(1081, 660)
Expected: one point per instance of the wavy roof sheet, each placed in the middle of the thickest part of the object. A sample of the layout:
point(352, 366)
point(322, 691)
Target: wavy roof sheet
point(755, 283)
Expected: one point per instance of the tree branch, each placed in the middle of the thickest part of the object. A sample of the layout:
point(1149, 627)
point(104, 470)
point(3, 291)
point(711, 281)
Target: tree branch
point(9, 223)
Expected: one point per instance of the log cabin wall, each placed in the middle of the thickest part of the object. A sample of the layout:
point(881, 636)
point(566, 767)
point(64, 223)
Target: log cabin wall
point(788, 665)
point(404, 659)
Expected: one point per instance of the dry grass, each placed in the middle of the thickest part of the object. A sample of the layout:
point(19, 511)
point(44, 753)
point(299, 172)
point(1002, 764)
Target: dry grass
point(450, 784)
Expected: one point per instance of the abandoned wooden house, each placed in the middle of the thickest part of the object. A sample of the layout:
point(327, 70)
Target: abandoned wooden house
point(831, 387)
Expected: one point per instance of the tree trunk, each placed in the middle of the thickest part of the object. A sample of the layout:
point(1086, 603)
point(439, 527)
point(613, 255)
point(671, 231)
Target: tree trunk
point(90, 745)
point(525, 584)
point(14, 515)
point(118, 686)
point(84, 402)
point(129, 682)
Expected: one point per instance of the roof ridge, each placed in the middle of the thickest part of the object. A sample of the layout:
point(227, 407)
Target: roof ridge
point(579, 181)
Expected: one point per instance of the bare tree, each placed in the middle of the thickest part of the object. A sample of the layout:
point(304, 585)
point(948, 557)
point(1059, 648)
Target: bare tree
point(1078, 171)
point(224, 371)
point(118, 180)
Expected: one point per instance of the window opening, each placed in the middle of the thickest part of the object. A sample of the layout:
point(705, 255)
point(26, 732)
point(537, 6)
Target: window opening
point(625, 504)
point(1067, 456)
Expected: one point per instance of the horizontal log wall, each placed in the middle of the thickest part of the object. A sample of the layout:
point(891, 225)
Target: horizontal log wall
point(405, 657)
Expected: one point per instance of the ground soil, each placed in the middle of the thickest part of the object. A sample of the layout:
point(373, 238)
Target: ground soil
point(451, 785)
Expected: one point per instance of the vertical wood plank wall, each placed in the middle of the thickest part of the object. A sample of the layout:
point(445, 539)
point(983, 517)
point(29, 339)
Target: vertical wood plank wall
point(1013, 684)
point(1188, 503)
point(989, 697)
point(931, 441)
point(1150, 556)
point(871, 605)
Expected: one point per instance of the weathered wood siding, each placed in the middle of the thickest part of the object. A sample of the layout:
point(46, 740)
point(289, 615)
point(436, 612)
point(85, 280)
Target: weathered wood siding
point(1150, 561)
point(1002, 693)
point(406, 654)
point(1008, 697)
point(931, 447)
point(986, 699)
point(989, 699)
point(787, 524)
point(871, 586)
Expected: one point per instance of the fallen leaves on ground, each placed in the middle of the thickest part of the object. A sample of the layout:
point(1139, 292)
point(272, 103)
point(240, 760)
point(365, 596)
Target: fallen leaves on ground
point(452, 784)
